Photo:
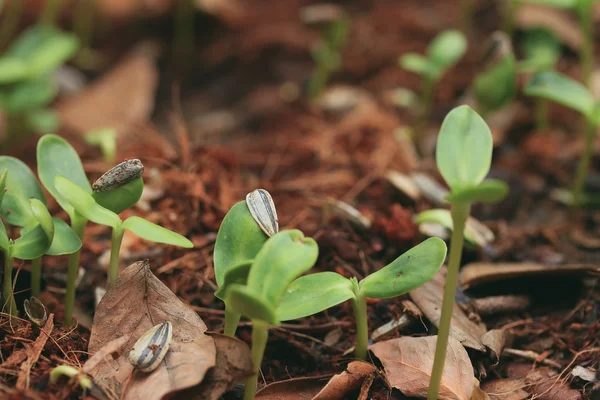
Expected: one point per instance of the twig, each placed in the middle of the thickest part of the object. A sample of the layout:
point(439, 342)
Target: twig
point(531, 355)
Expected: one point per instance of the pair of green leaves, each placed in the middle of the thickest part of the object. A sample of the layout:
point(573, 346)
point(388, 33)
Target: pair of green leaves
point(313, 293)
point(443, 53)
point(566, 91)
point(464, 157)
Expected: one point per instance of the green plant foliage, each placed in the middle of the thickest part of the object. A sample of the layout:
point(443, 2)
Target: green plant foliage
point(464, 149)
point(3, 176)
point(122, 198)
point(106, 139)
point(246, 302)
point(155, 233)
point(65, 240)
point(43, 217)
point(32, 243)
point(541, 49)
point(489, 191)
point(20, 186)
point(236, 274)
point(444, 218)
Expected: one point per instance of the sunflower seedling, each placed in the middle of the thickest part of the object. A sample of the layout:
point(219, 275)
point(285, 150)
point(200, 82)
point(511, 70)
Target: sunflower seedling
point(256, 288)
point(84, 381)
point(240, 238)
point(314, 293)
point(443, 53)
point(463, 156)
point(572, 94)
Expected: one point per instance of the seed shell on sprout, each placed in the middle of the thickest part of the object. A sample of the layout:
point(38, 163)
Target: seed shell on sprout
point(261, 206)
point(151, 347)
point(119, 175)
point(36, 311)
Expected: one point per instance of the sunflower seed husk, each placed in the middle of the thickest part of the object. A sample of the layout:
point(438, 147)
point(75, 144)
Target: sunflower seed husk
point(151, 347)
point(36, 311)
point(346, 211)
point(263, 211)
point(403, 183)
point(119, 175)
point(430, 188)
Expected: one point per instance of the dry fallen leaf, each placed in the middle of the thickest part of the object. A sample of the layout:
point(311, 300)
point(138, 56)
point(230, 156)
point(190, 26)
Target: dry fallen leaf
point(495, 340)
point(340, 385)
point(109, 348)
point(505, 389)
point(408, 362)
point(293, 389)
point(543, 382)
point(137, 302)
point(428, 298)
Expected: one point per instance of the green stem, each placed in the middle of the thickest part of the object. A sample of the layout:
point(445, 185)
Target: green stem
point(466, 14)
point(115, 248)
point(50, 12)
point(36, 277)
point(359, 306)
point(541, 114)
point(70, 372)
point(10, 23)
point(8, 305)
point(317, 82)
point(587, 50)
point(584, 164)
point(184, 28)
point(510, 9)
point(78, 225)
point(260, 335)
point(460, 212)
point(232, 319)
point(83, 22)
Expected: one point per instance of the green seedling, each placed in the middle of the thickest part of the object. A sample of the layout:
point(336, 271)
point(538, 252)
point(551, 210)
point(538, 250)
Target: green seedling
point(496, 85)
point(258, 291)
point(541, 49)
point(27, 86)
point(444, 218)
point(84, 204)
point(572, 94)
point(106, 140)
point(327, 54)
point(443, 53)
point(84, 381)
point(463, 156)
point(314, 293)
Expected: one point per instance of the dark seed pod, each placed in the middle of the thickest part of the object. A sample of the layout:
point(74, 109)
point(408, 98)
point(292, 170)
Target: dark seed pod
point(151, 347)
point(263, 211)
point(119, 175)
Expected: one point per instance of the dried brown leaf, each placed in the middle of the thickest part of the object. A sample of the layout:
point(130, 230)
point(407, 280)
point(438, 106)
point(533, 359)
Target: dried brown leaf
point(505, 389)
point(408, 362)
point(111, 347)
point(137, 302)
point(33, 353)
point(429, 298)
point(342, 384)
point(293, 389)
point(495, 340)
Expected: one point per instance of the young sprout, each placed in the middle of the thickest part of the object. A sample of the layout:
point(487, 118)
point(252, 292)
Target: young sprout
point(106, 139)
point(443, 53)
point(463, 156)
point(120, 187)
point(570, 93)
point(85, 382)
point(541, 49)
point(314, 293)
point(257, 294)
point(496, 85)
point(239, 240)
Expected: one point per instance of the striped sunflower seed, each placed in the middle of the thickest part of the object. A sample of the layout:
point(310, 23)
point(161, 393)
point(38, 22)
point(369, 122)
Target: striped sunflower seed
point(151, 347)
point(119, 175)
point(263, 211)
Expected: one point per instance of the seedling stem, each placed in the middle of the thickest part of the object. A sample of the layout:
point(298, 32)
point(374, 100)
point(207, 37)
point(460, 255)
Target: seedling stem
point(50, 12)
point(541, 114)
point(359, 306)
point(466, 13)
point(8, 299)
point(460, 212)
point(232, 320)
point(584, 164)
point(587, 50)
point(10, 21)
point(78, 226)
point(36, 276)
point(260, 335)
point(116, 239)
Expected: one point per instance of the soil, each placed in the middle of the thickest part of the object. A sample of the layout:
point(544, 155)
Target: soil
point(305, 154)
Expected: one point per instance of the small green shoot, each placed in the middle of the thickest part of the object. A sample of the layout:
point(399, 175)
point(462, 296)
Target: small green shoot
point(106, 140)
point(572, 94)
point(463, 156)
point(443, 53)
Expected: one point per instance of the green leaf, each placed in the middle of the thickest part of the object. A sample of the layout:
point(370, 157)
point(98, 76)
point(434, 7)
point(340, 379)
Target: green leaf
point(563, 90)
point(43, 121)
point(20, 186)
point(3, 176)
point(84, 203)
point(236, 274)
point(106, 139)
point(3, 237)
point(497, 86)
point(464, 148)
point(447, 48)
point(444, 218)
point(65, 240)
point(419, 64)
point(12, 69)
point(541, 49)
point(243, 301)
point(314, 293)
point(122, 198)
point(26, 96)
point(32, 244)
point(410, 270)
point(43, 217)
point(239, 239)
point(489, 191)
point(56, 157)
point(155, 233)
point(284, 257)
point(555, 3)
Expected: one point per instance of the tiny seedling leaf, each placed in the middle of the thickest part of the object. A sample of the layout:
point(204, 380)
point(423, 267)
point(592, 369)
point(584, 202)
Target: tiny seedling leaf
point(418, 64)
point(122, 198)
point(239, 239)
point(447, 48)
point(43, 217)
point(3, 237)
point(236, 274)
point(43, 121)
point(563, 90)
point(65, 240)
point(84, 203)
point(244, 301)
point(464, 148)
point(12, 69)
point(541, 49)
point(3, 176)
point(444, 218)
point(410, 270)
point(155, 233)
point(56, 157)
point(20, 186)
point(284, 257)
point(489, 191)
point(27, 96)
point(32, 244)
point(314, 293)
point(106, 139)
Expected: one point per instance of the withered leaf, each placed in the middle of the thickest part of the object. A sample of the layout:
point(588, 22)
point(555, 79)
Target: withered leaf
point(408, 362)
point(495, 340)
point(293, 389)
point(429, 298)
point(505, 389)
point(136, 303)
point(340, 385)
